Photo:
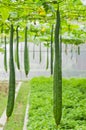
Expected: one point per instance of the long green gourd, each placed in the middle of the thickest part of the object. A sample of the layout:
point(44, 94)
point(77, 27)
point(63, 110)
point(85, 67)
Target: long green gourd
point(66, 49)
point(34, 51)
point(52, 50)
point(78, 50)
point(5, 55)
point(11, 93)
point(71, 51)
point(17, 50)
point(57, 77)
point(26, 55)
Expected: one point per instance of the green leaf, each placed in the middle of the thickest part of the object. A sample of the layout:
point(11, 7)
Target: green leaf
point(4, 13)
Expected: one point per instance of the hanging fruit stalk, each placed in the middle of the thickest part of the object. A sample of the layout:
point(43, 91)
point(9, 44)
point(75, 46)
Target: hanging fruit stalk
point(47, 61)
point(78, 50)
point(71, 51)
point(40, 54)
point(69, 29)
point(17, 49)
point(5, 55)
point(57, 78)
point(11, 93)
point(26, 55)
point(66, 49)
point(52, 49)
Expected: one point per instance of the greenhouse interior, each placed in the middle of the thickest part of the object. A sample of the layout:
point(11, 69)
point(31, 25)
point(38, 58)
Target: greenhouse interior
point(42, 64)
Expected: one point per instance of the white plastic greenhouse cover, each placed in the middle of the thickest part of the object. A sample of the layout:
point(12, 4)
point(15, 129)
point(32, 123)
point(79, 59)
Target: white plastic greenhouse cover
point(84, 2)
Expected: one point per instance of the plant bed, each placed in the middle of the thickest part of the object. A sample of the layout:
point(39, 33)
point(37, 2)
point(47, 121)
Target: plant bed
point(16, 121)
point(41, 105)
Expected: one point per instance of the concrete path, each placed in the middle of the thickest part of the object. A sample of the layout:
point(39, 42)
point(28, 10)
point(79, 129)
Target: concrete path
point(26, 117)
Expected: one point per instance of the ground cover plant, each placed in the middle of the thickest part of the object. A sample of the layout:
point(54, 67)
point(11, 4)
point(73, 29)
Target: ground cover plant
point(41, 105)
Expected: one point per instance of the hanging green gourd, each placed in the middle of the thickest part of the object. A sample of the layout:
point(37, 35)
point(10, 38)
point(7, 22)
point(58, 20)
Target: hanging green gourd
point(34, 47)
point(5, 55)
point(26, 54)
point(47, 61)
point(71, 51)
point(52, 49)
point(57, 78)
point(66, 49)
point(11, 93)
point(34, 51)
point(78, 50)
point(68, 29)
point(40, 54)
point(17, 50)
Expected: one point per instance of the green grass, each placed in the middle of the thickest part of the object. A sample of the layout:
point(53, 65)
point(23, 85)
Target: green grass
point(16, 121)
point(41, 105)
point(3, 96)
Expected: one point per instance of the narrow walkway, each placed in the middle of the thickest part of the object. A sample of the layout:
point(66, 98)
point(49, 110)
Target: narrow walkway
point(26, 118)
point(4, 117)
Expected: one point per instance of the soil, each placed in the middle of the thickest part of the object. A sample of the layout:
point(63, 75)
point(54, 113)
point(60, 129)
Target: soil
point(3, 87)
